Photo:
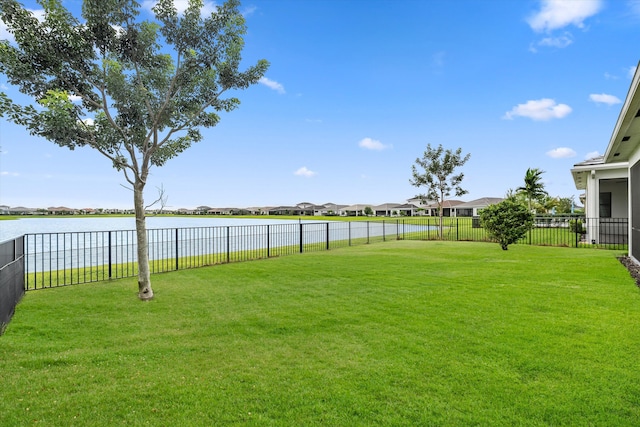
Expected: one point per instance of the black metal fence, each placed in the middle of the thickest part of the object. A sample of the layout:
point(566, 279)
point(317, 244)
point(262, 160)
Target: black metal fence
point(58, 259)
point(12, 276)
point(36, 261)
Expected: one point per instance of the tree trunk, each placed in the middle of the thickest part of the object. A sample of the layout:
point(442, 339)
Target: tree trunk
point(145, 292)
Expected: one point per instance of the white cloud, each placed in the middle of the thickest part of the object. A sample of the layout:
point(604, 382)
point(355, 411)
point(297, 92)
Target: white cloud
point(6, 35)
point(372, 144)
point(303, 171)
point(559, 42)
point(75, 98)
point(556, 14)
point(634, 6)
point(591, 155)
point(603, 98)
point(249, 11)
point(561, 153)
point(632, 71)
point(6, 173)
point(181, 5)
point(541, 109)
point(271, 84)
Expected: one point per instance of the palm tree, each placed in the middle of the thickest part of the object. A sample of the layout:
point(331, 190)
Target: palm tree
point(533, 187)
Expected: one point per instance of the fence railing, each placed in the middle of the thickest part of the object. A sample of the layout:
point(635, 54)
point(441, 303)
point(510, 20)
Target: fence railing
point(36, 261)
point(58, 259)
point(12, 276)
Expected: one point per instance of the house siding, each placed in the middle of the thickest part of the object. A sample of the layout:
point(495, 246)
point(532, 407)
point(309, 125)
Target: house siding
point(619, 194)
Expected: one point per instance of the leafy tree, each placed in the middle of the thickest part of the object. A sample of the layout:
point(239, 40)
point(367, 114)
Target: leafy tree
point(546, 204)
point(533, 187)
point(507, 221)
point(137, 91)
point(565, 205)
point(436, 174)
point(368, 211)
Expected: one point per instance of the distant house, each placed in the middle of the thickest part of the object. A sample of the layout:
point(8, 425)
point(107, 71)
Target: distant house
point(395, 209)
point(19, 210)
point(385, 209)
point(185, 211)
point(258, 210)
point(408, 209)
point(305, 205)
point(612, 181)
point(474, 207)
point(447, 208)
point(286, 210)
point(355, 210)
point(421, 205)
point(329, 209)
point(218, 211)
point(62, 211)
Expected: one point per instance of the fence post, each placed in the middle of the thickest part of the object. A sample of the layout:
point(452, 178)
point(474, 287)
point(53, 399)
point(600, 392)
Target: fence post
point(110, 260)
point(367, 232)
point(327, 236)
point(349, 233)
point(457, 229)
point(384, 236)
point(177, 248)
point(228, 246)
point(301, 239)
point(268, 240)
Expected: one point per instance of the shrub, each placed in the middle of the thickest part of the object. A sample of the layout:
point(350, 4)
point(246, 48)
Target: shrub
point(507, 221)
point(577, 226)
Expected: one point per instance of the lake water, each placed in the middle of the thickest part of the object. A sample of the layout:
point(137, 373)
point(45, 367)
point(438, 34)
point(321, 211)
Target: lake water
point(11, 229)
point(71, 244)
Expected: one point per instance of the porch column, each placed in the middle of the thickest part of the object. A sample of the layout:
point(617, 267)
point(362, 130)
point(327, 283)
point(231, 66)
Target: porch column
point(592, 208)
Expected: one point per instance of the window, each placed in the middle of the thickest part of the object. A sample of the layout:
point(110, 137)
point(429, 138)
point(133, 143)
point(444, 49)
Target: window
point(464, 212)
point(605, 205)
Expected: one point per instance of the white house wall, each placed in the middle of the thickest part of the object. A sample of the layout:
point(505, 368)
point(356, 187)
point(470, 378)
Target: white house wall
point(619, 197)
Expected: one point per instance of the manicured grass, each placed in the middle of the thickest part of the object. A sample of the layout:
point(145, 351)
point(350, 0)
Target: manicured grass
point(400, 333)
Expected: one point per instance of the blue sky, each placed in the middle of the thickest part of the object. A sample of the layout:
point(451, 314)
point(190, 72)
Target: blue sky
point(355, 92)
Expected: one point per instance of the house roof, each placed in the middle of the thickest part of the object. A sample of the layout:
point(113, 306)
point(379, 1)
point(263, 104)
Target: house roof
point(582, 170)
point(357, 207)
point(483, 202)
point(446, 204)
point(626, 133)
point(598, 160)
point(624, 141)
point(386, 206)
point(334, 206)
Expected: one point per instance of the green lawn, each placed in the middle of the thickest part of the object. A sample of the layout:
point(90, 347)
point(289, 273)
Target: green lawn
point(400, 333)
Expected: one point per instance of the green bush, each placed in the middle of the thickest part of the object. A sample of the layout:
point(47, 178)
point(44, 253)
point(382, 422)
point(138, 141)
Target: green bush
point(507, 221)
point(577, 226)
